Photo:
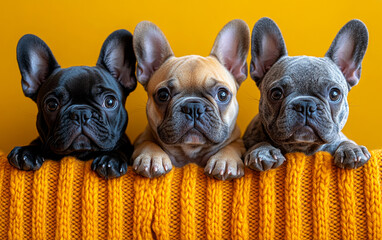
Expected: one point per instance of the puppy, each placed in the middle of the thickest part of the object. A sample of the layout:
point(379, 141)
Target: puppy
point(303, 105)
point(191, 106)
point(80, 109)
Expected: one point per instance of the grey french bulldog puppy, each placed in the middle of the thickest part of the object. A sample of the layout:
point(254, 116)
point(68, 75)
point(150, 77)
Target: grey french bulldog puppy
point(303, 104)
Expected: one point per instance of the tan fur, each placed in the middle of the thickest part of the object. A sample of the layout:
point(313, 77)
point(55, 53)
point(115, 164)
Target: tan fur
point(152, 157)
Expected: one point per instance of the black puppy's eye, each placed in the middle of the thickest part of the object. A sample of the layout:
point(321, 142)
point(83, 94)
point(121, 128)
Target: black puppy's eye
point(110, 102)
point(335, 94)
point(276, 94)
point(163, 95)
point(51, 105)
point(223, 95)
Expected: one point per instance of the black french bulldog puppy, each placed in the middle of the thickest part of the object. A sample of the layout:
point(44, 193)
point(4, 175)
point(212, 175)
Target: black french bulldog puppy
point(80, 109)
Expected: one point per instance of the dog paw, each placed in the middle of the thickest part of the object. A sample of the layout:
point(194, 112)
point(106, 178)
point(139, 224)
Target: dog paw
point(351, 156)
point(152, 165)
point(223, 168)
point(264, 158)
point(108, 166)
point(25, 158)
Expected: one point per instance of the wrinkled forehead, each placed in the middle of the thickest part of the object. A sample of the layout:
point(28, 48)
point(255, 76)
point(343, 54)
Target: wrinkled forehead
point(80, 81)
point(192, 72)
point(305, 71)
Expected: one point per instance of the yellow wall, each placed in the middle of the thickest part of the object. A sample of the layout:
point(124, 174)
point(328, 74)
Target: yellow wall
point(75, 31)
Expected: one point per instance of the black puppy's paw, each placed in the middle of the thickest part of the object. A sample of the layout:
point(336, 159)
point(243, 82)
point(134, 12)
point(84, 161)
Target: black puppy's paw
point(108, 166)
point(263, 158)
point(152, 165)
point(25, 158)
point(351, 156)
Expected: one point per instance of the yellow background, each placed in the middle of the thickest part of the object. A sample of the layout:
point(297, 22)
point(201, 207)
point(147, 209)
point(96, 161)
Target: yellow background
point(75, 31)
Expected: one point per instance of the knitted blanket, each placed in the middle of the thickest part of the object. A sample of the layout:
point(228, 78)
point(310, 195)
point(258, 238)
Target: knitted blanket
point(307, 197)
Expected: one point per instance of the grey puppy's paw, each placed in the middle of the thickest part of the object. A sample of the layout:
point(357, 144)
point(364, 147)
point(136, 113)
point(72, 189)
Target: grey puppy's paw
point(108, 166)
point(350, 155)
point(152, 165)
point(25, 158)
point(263, 158)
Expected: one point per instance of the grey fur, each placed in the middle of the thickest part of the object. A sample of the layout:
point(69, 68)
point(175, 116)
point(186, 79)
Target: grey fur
point(305, 119)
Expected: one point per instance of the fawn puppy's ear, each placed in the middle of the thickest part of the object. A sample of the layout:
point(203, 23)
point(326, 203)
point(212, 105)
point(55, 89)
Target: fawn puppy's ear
point(231, 49)
point(151, 50)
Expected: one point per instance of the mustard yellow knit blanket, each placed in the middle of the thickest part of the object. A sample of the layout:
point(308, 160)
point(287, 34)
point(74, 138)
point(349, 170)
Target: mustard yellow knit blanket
point(305, 198)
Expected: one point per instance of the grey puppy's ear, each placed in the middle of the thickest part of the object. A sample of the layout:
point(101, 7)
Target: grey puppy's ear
point(348, 49)
point(117, 57)
point(231, 49)
point(36, 64)
point(268, 46)
point(151, 50)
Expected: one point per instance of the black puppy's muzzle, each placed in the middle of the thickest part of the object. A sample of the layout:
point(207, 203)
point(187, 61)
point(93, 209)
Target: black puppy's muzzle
point(193, 110)
point(306, 108)
point(82, 115)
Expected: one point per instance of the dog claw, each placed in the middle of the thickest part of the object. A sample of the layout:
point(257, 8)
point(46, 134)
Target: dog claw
point(108, 166)
point(152, 166)
point(350, 155)
point(264, 157)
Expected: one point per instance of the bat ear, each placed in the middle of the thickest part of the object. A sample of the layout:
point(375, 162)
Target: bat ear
point(268, 47)
point(151, 50)
point(348, 49)
point(231, 49)
point(117, 57)
point(36, 64)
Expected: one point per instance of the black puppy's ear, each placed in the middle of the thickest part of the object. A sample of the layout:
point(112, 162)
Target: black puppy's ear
point(36, 63)
point(268, 46)
point(117, 56)
point(231, 48)
point(151, 49)
point(348, 49)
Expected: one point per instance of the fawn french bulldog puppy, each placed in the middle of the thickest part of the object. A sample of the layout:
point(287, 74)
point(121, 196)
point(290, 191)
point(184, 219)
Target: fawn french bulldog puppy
point(80, 109)
point(191, 106)
point(303, 105)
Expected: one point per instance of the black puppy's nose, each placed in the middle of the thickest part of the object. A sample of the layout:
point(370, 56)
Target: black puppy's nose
point(305, 107)
point(81, 115)
point(193, 110)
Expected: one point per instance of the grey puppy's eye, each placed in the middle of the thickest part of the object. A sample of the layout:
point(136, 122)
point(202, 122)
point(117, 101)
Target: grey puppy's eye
point(52, 105)
point(276, 94)
point(335, 94)
point(110, 102)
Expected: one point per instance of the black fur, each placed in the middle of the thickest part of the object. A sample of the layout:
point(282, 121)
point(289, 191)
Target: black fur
point(80, 109)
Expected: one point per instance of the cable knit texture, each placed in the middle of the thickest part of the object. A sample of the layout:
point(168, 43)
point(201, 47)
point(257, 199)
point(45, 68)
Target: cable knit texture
point(306, 198)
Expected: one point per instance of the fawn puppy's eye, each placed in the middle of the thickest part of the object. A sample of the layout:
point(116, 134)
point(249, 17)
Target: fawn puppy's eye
point(223, 95)
point(163, 95)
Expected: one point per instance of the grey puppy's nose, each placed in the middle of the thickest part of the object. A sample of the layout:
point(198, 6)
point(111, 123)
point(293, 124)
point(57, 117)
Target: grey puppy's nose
point(80, 116)
point(305, 107)
point(193, 110)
